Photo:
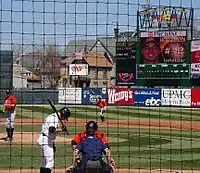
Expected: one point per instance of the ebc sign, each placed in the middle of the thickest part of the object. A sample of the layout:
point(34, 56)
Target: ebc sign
point(147, 97)
point(176, 97)
point(120, 96)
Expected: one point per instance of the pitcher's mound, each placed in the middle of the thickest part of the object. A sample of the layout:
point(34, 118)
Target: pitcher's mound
point(30, 138)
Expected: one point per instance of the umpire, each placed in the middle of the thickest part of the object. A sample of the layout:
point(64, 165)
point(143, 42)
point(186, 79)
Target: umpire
point(9, 109)
point(92, 149)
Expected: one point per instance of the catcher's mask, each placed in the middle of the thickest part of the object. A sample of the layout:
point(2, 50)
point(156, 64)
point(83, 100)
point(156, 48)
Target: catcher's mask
point(90, 131)
point(91, 124)
point(65, 113)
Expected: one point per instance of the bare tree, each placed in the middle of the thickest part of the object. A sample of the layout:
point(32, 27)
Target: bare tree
point(18, 51)
point(48, 65)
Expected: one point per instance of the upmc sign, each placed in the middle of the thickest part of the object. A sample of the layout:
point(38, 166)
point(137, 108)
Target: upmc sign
point(176, 97)
point(120, 96)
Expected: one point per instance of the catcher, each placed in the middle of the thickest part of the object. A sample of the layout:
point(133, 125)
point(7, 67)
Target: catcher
point(92, 150)
point(81, 136)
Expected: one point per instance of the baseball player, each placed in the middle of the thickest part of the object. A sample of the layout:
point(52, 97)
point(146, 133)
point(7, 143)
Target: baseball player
point(9, 110)
point(92, 149)
point(102, 107)
point(46, 140)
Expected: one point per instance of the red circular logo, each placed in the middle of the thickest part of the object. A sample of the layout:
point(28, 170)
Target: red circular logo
point(150, 34)
point(126, 77)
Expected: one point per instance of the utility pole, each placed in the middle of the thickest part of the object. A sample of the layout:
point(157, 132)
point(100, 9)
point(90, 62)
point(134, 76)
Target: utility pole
point(114, 75)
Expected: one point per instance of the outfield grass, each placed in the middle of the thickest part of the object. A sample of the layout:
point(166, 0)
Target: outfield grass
point(128, 113)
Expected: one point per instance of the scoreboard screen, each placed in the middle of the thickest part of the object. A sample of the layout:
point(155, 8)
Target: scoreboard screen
point(163, 55)
point(125, 63)
point(125, 50)
point(163, 71)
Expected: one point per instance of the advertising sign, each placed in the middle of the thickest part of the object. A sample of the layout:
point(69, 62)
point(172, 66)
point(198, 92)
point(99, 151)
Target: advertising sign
point(70, 95)
point(195, 71)
point(125, 63)
point(120, 96)
point(147, 97)
point(166, 17)
point(195, 59)
point(125, 79)
point(78, 69)
point(163, 47)
point(176, 97)
point(195, 99)
point(90, 95)
point(195, 51)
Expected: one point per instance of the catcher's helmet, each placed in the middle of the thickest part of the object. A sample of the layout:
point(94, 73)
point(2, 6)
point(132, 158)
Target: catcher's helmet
point(65, 113)
point(91, 124)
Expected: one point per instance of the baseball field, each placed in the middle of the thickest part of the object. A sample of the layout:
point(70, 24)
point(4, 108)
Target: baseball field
point(142, 139)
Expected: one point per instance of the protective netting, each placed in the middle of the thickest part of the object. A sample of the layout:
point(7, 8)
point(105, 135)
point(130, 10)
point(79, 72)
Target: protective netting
point(140, 57)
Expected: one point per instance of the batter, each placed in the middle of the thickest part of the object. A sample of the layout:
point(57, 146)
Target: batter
point(46, 140)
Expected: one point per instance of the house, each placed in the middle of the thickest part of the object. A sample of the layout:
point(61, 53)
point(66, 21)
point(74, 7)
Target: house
point(44, 65)
point(103, 48)
point(23, 78)
point(99, 70)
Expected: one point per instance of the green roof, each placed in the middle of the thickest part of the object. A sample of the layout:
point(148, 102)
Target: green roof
point(78, 45)
point(109, 43)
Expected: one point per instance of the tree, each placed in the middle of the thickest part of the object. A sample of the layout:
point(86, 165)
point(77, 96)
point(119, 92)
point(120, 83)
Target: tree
point(48, 65)
point(18, 51)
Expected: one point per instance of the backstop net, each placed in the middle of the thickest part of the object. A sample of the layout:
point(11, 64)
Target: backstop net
point(131, 66)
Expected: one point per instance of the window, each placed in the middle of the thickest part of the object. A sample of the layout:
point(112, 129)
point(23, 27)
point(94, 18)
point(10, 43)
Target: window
point(105, 74)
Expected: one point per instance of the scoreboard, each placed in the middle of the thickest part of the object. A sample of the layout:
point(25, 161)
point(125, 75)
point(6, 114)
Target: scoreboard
point(163, 71)
point(125, 50)
point(125, 63)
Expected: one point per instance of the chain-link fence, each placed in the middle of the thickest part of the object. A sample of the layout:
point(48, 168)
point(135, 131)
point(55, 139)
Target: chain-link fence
point(128, 65)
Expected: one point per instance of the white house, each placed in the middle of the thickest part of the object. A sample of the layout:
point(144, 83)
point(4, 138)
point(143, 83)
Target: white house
point(19, 82)
point(23, 78)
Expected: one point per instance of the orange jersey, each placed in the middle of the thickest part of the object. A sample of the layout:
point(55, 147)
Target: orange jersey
point(81, 136)
point(101, 104)
point(10, 100)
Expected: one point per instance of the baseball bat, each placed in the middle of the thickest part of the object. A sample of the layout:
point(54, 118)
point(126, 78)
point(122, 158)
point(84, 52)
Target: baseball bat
point(54, 109)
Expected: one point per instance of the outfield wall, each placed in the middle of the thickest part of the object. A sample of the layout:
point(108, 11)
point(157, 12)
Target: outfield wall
point(32, 96)
point(131, 96)
point(113, 96)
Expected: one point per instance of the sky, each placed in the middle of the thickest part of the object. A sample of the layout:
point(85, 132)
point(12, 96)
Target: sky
point(31, 22)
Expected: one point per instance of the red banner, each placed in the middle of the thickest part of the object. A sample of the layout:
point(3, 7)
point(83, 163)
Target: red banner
point(195, 52)
point(120, 96)
point(195, 99)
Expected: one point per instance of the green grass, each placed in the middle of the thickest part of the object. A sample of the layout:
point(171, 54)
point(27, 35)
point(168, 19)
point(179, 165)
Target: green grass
point(134, 148)
point(131, 148)
point(115, 113)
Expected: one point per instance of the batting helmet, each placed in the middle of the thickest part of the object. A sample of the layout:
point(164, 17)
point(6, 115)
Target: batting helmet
point(8, 91)
point(65, 113)
point(91, 124)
